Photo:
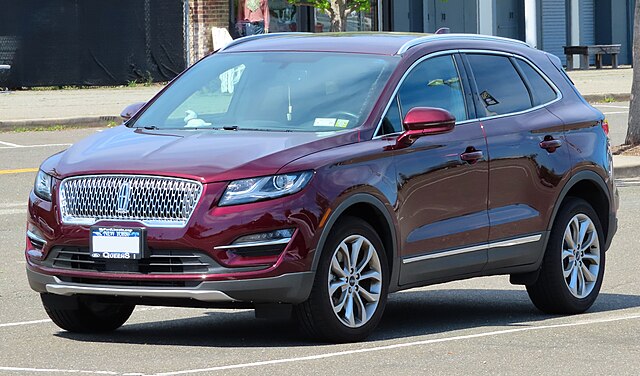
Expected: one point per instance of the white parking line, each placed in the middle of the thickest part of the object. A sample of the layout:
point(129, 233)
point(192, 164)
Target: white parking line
point(9, 144)
point(396, 346)
point(24, 323)
point(19, 323)
point(55, 370)
point(615, 112)
point(13, 208)
point(13, 205)
point(31, 146)
point(611, 106)
point(333, 354)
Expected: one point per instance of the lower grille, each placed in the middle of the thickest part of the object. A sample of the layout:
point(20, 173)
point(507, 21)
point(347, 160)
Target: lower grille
point(129, 283)
point(156, 262)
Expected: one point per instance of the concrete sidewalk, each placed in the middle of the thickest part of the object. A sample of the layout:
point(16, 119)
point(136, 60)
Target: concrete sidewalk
point(79, 107)
point(597, 84)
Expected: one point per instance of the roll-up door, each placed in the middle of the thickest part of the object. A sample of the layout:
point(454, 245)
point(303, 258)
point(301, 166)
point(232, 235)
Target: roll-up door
point(587, 25)
point(554, 27)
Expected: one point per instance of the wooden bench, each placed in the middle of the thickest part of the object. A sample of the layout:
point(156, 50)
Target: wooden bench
point(598, 50)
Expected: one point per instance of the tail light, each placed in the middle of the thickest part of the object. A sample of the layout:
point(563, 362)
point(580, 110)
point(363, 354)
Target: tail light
point(605, 127)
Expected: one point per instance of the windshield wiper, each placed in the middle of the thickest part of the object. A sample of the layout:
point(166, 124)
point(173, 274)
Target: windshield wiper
point(230, 127)
point(151, 127)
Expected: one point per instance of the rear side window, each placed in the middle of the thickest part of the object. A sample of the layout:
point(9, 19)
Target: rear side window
point(540, 90)
point(501, 89)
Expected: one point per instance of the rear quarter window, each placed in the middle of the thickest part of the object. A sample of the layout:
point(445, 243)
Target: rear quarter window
point(541, 91)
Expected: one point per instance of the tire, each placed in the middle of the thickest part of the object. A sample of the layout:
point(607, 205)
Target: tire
point(359, 296)
point(571, 274)
point(82, 315)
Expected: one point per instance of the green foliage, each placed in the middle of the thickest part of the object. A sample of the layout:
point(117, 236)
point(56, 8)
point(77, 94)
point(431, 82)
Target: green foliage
point(325, 5)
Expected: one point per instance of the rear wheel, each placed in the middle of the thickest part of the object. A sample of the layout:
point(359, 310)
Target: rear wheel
point(573, 265)
point(84, 315)
point(350, 287)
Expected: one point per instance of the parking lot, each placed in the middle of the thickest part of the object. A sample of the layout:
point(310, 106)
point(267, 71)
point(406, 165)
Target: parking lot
point(476, 326)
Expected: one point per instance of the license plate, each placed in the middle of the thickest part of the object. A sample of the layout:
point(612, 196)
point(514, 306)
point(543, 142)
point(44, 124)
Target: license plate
point(117, 243)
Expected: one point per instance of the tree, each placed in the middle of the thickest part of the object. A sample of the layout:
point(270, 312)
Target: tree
point(633, 130)
point(338, 10)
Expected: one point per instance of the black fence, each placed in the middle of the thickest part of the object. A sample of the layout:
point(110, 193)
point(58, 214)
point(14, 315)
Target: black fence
point(90, 42)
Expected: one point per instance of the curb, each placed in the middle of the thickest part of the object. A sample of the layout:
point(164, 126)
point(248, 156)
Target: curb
point(78, 122)
point(600, 98)
point(626, 166)
point(625, 172)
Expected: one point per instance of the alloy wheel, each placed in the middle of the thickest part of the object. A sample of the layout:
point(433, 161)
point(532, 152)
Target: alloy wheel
point(355, 281)
point(580, 256)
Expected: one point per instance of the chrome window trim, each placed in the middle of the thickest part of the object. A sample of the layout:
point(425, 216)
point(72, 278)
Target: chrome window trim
point(475, 248)
point(455, 36)
point(70, 220)
point(254, 244)
point(559, 95)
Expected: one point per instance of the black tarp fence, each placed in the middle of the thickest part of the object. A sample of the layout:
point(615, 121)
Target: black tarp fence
point(90, 42)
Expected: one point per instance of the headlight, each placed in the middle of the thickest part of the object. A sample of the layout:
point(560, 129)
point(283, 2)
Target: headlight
point(264, 188)
point(43, 185)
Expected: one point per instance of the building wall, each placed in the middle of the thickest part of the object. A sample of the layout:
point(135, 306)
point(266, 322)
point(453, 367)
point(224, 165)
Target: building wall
point(202, 16)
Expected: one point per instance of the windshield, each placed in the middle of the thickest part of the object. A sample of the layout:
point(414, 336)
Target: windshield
point(280, 91)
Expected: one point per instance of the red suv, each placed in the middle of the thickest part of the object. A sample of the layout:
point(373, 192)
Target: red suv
point(316, 174)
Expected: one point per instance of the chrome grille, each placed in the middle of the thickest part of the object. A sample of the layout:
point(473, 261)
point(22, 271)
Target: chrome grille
point(153, 200)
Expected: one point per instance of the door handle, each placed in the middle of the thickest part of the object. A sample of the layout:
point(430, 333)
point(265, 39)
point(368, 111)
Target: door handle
point(472, 156)
point(550, 144)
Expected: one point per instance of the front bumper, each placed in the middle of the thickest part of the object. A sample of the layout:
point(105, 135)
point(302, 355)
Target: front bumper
point(287, 288)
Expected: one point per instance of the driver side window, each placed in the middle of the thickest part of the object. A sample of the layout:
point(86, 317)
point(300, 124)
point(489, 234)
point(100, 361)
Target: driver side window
point(435, 82)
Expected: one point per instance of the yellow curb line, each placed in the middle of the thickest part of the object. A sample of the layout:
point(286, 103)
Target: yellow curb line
point(18, 171)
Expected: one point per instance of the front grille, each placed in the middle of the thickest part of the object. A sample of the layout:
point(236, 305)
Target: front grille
point(156, 262)
point(152, 200)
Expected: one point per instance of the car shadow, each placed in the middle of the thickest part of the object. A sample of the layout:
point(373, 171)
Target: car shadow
point(408, 314)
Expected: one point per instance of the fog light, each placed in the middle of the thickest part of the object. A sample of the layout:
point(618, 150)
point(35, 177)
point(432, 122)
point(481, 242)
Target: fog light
point(262, 237)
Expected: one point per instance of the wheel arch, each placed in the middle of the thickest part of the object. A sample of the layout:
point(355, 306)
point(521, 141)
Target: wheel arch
point(372, 210)
point(592, 188)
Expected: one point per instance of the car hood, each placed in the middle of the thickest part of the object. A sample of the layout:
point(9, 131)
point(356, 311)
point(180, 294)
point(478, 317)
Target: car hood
point(205, 155)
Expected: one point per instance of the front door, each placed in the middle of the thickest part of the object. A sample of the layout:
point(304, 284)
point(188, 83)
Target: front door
point(442, 198)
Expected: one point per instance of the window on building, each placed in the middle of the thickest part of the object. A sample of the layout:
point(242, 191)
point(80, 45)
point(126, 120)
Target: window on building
point(541, 92)
point(434, 83)
point(499, 84)
point(356, 21)
point(252, 17)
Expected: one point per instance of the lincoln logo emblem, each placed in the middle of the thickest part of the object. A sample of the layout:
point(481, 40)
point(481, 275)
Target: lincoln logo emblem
point(124, 198)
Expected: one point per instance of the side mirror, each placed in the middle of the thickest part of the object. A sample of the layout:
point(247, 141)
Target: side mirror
point(131, 110)
point(424, 121)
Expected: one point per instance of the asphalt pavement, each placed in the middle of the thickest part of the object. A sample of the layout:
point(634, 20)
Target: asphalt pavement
point(481, 326)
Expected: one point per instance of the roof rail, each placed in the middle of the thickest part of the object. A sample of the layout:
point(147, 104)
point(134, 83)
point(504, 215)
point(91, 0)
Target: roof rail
point(249, 38)
point(433, 37)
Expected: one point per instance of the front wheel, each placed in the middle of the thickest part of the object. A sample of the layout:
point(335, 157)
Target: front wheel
point(573, 265)
point(84, 315)
point(350, 287)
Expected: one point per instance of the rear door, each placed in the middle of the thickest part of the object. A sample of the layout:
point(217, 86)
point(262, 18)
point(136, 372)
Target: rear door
point(442, 199)
point(528, 155)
